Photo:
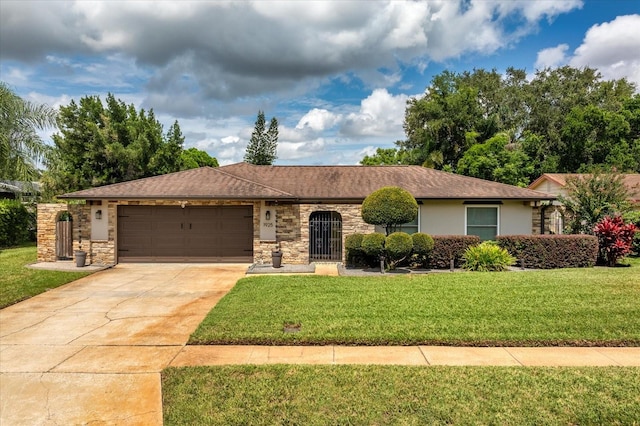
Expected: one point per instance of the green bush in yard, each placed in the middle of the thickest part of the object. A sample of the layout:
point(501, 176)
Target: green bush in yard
point(398, 247)
point(551, 251)
point(16, 223)
point(353, 245)
point(487, 256)
point(373, 244)
point(390, 207)
point(634, 217)
point(448, 247)
point(422, 247)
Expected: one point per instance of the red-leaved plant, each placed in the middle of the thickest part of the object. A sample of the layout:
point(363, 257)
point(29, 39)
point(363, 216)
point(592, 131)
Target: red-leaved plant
point(614, 238)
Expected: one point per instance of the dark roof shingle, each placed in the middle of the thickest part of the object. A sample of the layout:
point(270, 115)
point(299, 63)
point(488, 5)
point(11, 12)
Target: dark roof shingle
point(247, 181)
point(201, 183)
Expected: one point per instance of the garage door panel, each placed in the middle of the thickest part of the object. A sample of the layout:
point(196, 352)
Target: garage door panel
point(191, 234)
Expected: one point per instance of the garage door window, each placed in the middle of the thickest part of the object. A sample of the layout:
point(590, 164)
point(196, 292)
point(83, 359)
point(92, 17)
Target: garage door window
point(483, 222)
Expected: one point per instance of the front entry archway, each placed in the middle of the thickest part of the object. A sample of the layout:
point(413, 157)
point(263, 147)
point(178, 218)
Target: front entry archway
point(325, 236)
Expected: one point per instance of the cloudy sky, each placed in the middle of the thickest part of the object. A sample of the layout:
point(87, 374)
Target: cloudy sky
point(336, 74)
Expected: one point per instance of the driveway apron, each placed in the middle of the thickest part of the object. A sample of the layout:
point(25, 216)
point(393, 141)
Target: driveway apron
point(91, 352)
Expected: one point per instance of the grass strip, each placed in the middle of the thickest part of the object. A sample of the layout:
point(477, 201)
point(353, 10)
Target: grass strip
point(572, 307)
point(382, 395)
point(19, 283)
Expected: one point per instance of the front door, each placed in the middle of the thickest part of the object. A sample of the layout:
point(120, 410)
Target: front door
point(325, 236)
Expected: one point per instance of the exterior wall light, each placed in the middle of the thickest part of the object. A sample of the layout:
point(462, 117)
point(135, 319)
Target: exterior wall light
point(267, 215)
point(98, 214)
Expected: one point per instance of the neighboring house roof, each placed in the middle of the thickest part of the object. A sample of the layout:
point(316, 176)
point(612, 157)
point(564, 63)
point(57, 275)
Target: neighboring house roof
point(18, 187)
point(247, 181)
point(630, 180)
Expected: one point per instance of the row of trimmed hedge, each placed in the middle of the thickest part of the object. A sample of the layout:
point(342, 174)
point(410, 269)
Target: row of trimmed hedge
point(552, 251)
point(534, 251)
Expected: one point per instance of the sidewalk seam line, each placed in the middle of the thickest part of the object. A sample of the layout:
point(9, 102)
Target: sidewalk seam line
point(424, 355)
point(513, 356)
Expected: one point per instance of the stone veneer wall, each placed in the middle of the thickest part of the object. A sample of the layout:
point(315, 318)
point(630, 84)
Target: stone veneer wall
point(292, 230)
point(47, 216)
point(535, 222)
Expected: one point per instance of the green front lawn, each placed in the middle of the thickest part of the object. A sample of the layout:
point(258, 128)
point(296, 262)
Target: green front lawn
point(580, 307)
point(380, 395)
point(18, 282)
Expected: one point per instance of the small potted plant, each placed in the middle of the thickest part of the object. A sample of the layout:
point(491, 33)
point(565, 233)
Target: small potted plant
point(276, 257)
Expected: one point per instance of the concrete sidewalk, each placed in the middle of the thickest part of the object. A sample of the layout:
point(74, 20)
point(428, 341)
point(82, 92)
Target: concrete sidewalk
point(408, 355)
point(91, 351)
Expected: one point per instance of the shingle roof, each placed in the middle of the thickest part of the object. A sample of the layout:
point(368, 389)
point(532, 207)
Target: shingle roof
point(201, 183)
point(356, 182)
point(630, 180)
point(247, 181)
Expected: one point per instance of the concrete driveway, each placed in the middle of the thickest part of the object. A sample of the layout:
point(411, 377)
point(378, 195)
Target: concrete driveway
point(91, 352)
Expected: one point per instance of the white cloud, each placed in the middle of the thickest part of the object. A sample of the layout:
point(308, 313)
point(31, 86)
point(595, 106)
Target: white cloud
point(318, 120)
point(552, 57)
point(301, 150)
point(15, 76)
point(230, 139)
point(226, 50)
point(380, 114)
point(613, 48)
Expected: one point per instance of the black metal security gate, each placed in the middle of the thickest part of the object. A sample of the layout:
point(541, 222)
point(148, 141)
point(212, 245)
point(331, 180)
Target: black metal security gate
point(325, 236)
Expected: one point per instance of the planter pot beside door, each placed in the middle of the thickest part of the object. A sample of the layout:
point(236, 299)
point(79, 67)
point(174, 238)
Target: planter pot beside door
point(276, 258)
point(81, 258)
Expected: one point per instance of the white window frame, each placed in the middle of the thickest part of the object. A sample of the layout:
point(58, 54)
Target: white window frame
point(481, 206)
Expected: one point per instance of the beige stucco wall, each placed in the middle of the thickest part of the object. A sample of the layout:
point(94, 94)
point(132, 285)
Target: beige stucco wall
point(443, 217)
point(515, 218)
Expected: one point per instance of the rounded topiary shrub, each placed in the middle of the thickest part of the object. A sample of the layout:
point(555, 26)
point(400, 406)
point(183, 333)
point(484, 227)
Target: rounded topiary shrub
point(389, 206)
point(398, 246)
point(353, 245)
point(422, 248)
point(487, 256)
point(373, 244)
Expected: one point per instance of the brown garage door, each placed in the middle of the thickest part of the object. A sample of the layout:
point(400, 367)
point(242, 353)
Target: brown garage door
point(190, 234)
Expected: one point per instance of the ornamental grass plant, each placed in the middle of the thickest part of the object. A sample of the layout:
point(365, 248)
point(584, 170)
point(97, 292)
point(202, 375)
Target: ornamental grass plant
point(487, 257)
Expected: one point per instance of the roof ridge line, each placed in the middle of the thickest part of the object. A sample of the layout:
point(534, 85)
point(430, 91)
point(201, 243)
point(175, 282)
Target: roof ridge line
point(254, 182)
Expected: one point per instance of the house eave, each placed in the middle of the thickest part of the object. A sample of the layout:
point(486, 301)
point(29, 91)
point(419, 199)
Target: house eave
point(171, 197)
point(307, 200)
